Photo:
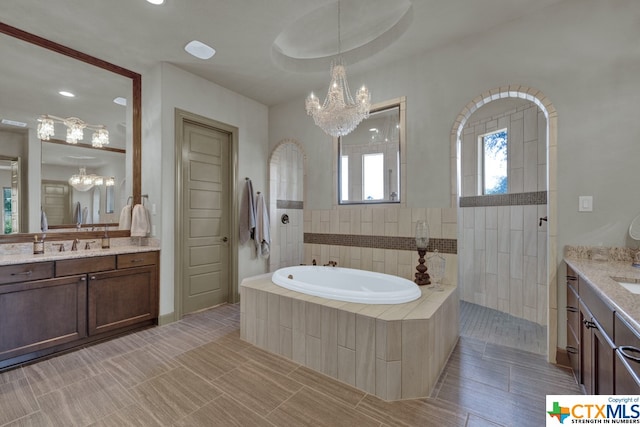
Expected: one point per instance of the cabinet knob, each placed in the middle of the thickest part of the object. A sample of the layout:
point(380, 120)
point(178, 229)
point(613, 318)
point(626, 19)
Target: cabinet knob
point(93, 277)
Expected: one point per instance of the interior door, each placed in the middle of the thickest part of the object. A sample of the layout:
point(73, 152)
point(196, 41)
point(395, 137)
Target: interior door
point(205, 216)
point(56, 202)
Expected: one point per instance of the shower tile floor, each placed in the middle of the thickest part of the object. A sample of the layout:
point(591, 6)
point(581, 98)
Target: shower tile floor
point(197, 372)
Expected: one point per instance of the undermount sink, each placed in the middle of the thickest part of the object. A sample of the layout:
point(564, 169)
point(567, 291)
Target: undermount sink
point(629, 284)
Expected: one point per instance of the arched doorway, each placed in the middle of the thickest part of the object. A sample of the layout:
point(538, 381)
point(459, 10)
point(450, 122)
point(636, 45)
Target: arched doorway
point(538, 98)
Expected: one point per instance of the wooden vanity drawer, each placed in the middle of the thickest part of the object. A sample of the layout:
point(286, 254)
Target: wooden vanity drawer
point(24, 272)
point(137, 259)
point(68, 267)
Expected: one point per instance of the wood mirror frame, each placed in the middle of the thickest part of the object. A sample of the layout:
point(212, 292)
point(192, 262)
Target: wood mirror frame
point(136, 131)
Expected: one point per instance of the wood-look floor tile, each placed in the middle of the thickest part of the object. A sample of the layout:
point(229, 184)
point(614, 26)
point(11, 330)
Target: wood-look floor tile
point(85, 402)
point(479, 398)
point(16, 400)
point(256, 387)
point(476, 421)
point(35, 419)
point(514, 356)
point(117, 347)
point(536, 383)
point(137, 366)
point(131, 416)
point(205, 323)
point(272, 361)
point(175, 394)
point(311, 408)
point(176, 338)
point(12, 375)
point(60, 371)
point(336, 389)
point(413, 412)
point(211, 361)
point(495, 374)
point(224, 412)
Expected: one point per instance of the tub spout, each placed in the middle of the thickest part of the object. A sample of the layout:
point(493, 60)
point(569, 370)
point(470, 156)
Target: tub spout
point(331, 264)
point(313, 262)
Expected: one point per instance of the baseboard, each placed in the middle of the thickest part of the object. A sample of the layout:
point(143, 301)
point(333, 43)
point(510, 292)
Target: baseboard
point(165, 319)
point(562, 358)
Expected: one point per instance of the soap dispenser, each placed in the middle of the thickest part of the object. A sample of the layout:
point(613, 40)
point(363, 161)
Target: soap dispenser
point(105, 240)
point(38, 245)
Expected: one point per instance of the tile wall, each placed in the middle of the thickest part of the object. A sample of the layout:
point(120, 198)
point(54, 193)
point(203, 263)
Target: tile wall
point(502, 247)
point(382, 221)
point(286, 185)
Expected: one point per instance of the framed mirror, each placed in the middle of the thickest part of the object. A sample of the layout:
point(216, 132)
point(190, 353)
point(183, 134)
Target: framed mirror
point(370, 158)
point(35, 70)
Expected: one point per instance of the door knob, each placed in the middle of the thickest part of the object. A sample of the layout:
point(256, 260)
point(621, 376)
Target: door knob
point(225, 239)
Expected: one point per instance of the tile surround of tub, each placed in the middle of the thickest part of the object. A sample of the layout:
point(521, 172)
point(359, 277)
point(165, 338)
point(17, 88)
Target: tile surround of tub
point(379, 238)
point(391, 351)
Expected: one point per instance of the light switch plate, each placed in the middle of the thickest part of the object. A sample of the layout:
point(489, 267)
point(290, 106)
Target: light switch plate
point(585, 204)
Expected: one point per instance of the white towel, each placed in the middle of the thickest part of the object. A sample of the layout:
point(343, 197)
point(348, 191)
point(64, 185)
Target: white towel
point(125, 218)
point(140, 223)
point(44, 223)
point(247, 213)
point(262, 236)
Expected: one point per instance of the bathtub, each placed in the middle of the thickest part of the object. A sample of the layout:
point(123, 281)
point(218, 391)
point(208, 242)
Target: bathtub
point(347, 284)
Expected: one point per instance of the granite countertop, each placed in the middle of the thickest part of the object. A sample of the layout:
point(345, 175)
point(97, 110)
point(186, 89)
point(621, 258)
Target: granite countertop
point(53, 255)
point(599, 274)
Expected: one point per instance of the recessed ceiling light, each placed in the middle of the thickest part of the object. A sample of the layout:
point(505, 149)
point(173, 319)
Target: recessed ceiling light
point(120, 100)
point(14, 123)
point(156, 1)
point(199, 49)
point(67, 94)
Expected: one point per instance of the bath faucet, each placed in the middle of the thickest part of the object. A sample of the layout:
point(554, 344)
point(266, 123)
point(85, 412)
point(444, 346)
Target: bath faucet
point(331, 264)
point(60, 246)
point(74, 246)
point(87, 246)
point(313, 262)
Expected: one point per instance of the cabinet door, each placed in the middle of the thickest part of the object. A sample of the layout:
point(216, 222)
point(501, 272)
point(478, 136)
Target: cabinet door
point(40, 314)
point(122, 298)
point(573, 330)
point(603, 361)
point(586, 350)
point(627, 382)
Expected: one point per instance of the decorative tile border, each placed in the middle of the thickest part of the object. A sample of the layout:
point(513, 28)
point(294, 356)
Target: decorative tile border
point(289, 204)
point(531, 198)
point(445, 246)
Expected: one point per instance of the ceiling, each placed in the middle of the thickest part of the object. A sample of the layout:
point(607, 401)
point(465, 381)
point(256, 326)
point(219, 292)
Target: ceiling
point(271, 51)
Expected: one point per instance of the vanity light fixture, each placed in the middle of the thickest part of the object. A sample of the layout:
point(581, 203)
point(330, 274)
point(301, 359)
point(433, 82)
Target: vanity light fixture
point(83, 182)
point(199, 49)
point(75, 130)
point(339, 114)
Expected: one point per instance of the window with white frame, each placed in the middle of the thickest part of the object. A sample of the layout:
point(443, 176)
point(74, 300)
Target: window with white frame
point(492, 163)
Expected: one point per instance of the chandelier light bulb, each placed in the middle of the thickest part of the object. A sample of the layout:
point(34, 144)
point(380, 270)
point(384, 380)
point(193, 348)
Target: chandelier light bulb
point(45, 128)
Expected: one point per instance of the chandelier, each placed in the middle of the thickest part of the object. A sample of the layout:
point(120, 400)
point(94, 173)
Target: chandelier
point(75, 130)
point(339, 114)
point(83, 182)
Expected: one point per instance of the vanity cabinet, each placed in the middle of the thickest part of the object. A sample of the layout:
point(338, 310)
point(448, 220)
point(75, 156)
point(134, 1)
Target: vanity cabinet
point(590, 329)
point(627, 360)
point(126, 296)
point(46, 307)
point(38, 311)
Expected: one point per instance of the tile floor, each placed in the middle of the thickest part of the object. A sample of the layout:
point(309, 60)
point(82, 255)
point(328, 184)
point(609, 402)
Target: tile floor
point(197, 372)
